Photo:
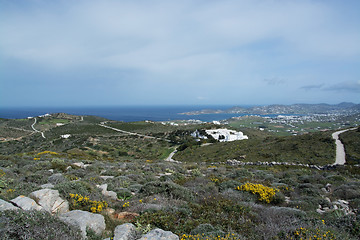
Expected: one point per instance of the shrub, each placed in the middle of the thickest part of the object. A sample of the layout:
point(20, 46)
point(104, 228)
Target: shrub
point(17, 224)
point(78, 201)
point(265, 194)
point(168, 189)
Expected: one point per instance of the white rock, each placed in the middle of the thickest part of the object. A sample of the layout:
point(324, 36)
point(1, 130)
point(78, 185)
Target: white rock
point(106, 177)
point(125, 231)
point(159, 234)
point(79, 164)
point(83, 220)
point(4, 205)
point(50, 200)
point(26, 203)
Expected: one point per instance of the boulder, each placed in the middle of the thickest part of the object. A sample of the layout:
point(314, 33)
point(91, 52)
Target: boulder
point(83, 220)
point(125, 231)
point(26, 203)
point(50, 200)
point(56, 178)
point(128, 216)
point(4, 205)
point(110, 194)
point(78, 165)
point(159, 234)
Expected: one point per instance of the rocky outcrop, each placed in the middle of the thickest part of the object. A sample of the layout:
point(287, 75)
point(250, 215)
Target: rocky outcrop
point(159, 234)
point(110, 194)
point(84, 220)
point(4, 205)
point(26, 203)
point(125, 231)
point(50, 200)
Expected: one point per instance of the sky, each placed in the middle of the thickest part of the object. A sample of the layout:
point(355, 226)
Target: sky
point(170, 52)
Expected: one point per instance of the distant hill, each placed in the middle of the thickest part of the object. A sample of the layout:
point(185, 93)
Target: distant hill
point(321, 108)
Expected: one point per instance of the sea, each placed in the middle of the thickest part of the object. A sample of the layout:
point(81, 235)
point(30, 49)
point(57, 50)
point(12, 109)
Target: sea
point(124, 113)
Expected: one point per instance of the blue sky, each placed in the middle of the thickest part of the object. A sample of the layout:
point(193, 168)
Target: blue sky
point(204, 52)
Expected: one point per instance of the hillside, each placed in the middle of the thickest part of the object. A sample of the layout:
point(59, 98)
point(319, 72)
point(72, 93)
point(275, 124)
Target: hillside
point(199, 197)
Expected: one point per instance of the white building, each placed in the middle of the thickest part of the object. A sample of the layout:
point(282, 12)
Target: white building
point(225, 135)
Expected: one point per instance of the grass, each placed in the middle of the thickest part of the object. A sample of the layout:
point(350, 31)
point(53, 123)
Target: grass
point(316, 148)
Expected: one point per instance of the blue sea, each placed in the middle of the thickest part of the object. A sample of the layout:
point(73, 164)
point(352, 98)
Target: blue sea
point(126, 114)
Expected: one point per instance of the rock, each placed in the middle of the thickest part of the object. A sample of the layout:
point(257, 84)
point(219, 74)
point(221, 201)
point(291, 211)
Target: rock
point(320, 211)
point(106, 177)
point(110, 194)
point(109, 211)
point(83, 220)
point(4, 205)
point(56, 178)
point(159, 234)
point(126, 215)
point(125, 231)
point(79, 165)
point(50, 200)
point(47, 185)
point(26, 203)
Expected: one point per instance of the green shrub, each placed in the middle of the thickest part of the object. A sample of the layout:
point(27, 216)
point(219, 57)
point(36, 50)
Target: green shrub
point(168, 189)
point(17, 225)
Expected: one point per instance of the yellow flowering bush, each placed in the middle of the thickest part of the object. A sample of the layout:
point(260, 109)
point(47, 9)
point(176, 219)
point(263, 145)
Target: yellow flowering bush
point(265, 194)
point(203, 237)
point(83, 202)
point(127, 204)
point(47, 152)
point(311, 234)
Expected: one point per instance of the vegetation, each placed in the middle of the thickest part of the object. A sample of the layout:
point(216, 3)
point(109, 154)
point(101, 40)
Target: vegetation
point(200, 198)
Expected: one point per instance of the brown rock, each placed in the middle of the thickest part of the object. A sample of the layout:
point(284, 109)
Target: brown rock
point(129, 216)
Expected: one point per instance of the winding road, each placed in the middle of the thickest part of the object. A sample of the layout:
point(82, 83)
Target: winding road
point(102, 124)
point(340, 151)
point(35, 130)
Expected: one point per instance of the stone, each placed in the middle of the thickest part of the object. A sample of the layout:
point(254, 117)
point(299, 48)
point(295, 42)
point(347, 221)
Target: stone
point(83, 220)
point(159, 234)
point(125, 231)
point(110, 194)
point(79, 165)
point(26, 203)
point(129, 216)
point(4, 205)
point(106, 177)
point(50, 200)
point(47, 185)
point(56, 178)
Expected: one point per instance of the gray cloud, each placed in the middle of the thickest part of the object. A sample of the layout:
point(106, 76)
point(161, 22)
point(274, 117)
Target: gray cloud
point(218, 45)
point(311, 87)
point(345, 87)
point(274, 81)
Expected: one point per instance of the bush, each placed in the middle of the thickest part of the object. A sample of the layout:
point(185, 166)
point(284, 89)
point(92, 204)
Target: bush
point(18, 224)
point(168, 189)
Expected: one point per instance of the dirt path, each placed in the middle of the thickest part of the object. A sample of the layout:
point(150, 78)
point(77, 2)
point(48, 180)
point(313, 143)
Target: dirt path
point(131, 133)
point(340, 151)
point(32, 126)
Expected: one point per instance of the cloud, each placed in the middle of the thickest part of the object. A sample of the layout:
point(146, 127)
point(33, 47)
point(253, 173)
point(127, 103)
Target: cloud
point(274, 81)
point(221, 46)
point(311, 87)
point(345, 87)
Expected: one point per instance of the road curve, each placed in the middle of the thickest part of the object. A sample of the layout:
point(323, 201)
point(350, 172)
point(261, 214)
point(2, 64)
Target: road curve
point(35, 130)
point(340, 151)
